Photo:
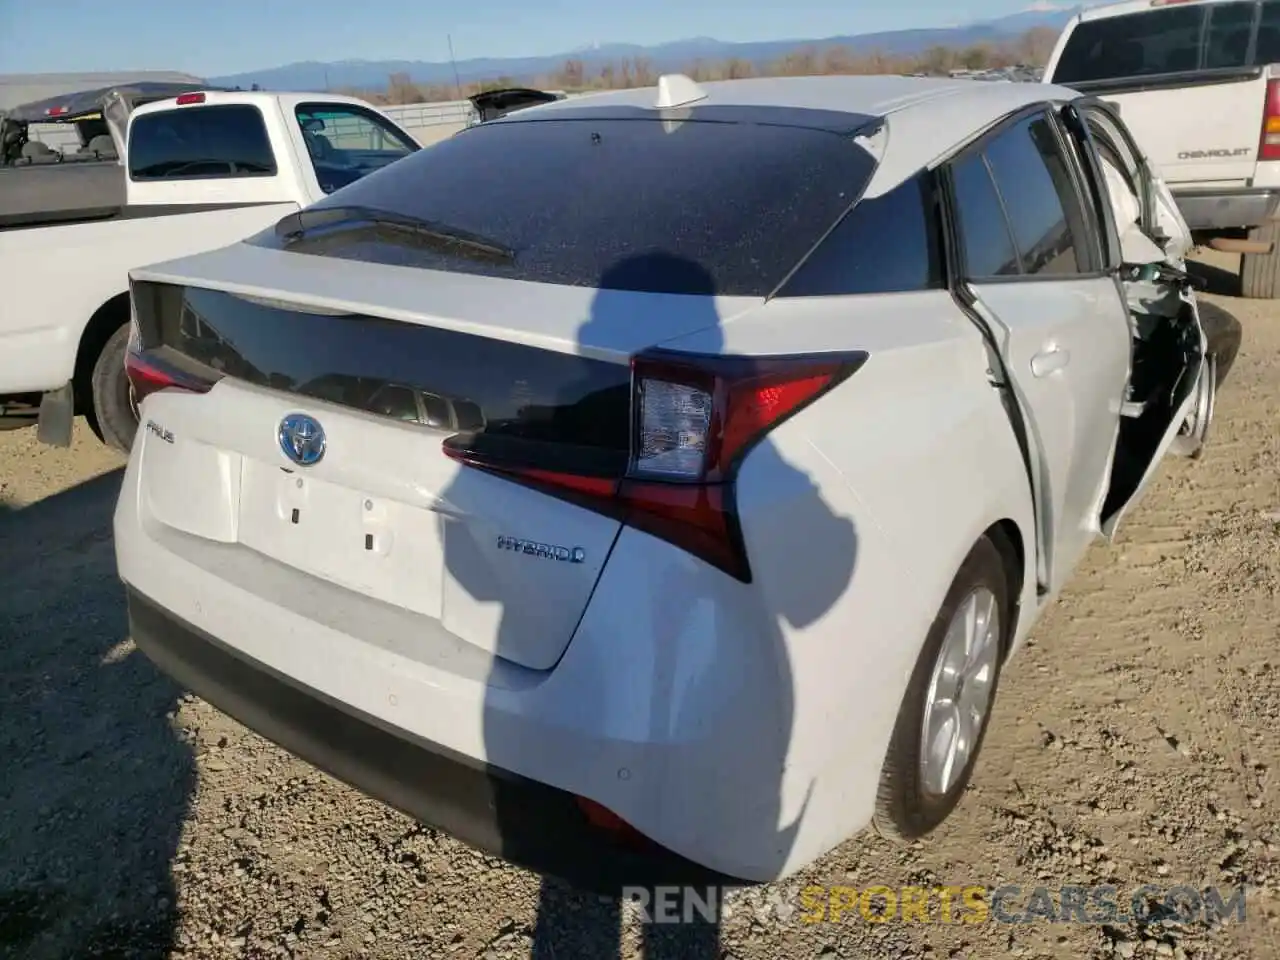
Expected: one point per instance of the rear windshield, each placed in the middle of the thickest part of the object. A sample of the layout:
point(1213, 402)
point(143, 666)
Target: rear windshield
point(224, 140)
point(732, 206)
point(1171, 40)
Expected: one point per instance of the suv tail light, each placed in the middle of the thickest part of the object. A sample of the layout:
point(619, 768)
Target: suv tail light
point(694, 420)
point(1269, 148)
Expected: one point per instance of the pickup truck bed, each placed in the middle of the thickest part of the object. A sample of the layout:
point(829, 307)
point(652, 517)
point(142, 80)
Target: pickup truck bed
point(60, 192)
point(209, 168)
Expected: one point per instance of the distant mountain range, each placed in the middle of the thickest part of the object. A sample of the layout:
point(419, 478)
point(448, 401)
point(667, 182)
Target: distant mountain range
point(373, 74)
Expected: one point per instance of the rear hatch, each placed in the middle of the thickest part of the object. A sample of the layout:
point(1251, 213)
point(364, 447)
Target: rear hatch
point(389, 334)
point(384, 512)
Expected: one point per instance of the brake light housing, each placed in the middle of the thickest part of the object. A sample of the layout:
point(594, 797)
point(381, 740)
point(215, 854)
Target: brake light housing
point(148, 374)
point(1269, 145)
point(186, 99)
point(694, 419)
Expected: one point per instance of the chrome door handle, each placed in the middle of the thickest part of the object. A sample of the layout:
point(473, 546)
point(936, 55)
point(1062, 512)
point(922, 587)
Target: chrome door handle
point(1047, 361)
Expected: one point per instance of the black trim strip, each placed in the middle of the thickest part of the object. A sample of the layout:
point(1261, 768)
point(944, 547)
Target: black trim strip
point(1164, 81)
point(515, 401)
point(830, 121)
point(136, 211)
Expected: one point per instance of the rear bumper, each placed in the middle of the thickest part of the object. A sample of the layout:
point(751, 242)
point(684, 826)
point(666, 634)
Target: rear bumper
point(1227, 209)
point(522, 821)
point(740, 731)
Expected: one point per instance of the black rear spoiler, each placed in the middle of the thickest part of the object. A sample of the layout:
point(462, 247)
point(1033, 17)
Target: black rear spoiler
point(492, 104)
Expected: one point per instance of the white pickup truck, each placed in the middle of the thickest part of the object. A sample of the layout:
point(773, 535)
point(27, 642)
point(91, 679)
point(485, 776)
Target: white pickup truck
point(197, 171)
point(1198, 83)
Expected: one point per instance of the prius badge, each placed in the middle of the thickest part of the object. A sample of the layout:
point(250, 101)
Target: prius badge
point(301, 439)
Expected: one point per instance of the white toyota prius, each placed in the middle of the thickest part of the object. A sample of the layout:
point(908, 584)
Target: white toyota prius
point(651, 486)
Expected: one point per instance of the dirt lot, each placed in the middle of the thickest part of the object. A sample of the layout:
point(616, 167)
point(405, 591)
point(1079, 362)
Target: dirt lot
point(1135, 742)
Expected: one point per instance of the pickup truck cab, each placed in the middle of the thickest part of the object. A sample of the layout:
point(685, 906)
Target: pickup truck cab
point(193, 172)
point(1197, 82)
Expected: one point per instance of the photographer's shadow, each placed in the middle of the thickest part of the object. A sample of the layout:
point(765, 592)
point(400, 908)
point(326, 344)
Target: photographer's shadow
point(94, 783)
point(686, 687)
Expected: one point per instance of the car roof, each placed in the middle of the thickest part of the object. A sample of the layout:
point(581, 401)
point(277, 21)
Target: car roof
point(924, 118)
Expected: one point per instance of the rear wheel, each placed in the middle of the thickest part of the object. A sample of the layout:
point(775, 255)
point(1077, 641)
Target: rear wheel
point(943, 718)
point(1260, 272)
point(113, 417)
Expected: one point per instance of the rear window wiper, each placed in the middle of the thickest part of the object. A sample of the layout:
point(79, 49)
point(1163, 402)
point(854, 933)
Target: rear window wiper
point(320, 222)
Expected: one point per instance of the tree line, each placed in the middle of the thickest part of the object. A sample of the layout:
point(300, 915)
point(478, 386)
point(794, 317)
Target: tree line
point(576, 75)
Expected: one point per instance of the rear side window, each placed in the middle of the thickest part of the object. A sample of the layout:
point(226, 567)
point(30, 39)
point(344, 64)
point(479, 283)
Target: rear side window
point(1040, 198)
point(985, 239)
point(888, 244)
point(1018, 206)
point(1165, 40)
point(723, 208)
point(221, 140)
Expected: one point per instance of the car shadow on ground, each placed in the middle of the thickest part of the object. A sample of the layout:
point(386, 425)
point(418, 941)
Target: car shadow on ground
point(96, 784)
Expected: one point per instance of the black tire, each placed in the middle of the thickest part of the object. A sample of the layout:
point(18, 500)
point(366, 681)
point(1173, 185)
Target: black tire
point(1260, 272)
point(112, 416)
point(904, 809)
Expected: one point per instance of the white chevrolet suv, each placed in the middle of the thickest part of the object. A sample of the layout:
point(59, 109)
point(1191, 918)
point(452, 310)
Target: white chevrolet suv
point(652, 486)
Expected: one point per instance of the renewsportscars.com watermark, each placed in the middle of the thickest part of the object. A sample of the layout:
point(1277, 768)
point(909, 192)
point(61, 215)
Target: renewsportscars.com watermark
point(1092, 904)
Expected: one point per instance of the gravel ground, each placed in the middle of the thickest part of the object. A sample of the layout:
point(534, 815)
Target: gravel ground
point(1134, 742)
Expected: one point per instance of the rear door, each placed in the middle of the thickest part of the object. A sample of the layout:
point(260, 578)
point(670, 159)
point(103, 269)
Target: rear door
point(1153, 233)
point(1107, 137)
point(1032, 262)
point(1186, 79)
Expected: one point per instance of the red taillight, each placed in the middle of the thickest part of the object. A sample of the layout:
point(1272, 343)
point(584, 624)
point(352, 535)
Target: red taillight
point(55, 111)
point(694, 419)
point(189, 98)
point(602, 818)
point(148, 375)
point(1269, 148)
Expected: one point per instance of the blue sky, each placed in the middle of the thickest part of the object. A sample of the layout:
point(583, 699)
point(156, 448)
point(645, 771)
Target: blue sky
point(232, 36)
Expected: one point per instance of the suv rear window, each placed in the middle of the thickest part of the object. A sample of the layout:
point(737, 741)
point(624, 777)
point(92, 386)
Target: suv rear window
point(733, 206)
point(221, 140)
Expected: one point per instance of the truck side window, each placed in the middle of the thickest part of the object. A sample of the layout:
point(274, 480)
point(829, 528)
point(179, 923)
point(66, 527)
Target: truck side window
point(346, 142)
point(1268, 46)
point(219, 140)
point(887, 244)
point(1226, 42)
